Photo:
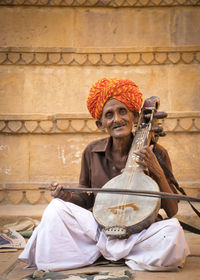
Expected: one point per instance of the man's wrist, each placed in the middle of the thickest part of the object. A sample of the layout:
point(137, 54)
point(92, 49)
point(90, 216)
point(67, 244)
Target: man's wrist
point(160, 176)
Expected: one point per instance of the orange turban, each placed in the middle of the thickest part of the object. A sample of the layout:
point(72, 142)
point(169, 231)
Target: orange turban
point(125, 91)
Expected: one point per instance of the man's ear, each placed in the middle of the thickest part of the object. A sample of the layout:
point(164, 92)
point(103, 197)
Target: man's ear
point(100, 125)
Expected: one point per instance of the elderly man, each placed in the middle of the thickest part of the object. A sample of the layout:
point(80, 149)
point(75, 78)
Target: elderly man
point(69, 236)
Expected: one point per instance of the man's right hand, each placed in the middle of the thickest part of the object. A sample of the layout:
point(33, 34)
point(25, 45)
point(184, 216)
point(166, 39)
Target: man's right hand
point(60, 193)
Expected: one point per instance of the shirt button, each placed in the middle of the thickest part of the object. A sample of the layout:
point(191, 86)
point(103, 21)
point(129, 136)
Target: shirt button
point(114, 168)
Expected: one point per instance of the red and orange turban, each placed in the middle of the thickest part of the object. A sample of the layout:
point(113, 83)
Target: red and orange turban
point(125, 91)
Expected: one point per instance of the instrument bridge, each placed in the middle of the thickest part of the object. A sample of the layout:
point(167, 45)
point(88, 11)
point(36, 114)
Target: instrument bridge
point(116, 231)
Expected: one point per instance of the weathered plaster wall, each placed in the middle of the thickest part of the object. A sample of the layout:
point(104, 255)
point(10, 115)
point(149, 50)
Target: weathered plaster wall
point(50, 55)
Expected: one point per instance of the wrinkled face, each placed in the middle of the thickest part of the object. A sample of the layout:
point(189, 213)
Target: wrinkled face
point(116, 119)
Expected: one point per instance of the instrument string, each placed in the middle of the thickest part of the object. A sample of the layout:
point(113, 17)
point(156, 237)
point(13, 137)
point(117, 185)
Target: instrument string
point(127, 183)
point(131, 168)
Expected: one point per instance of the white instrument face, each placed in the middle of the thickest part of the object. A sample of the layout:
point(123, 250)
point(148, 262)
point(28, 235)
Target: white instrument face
point(121, 215)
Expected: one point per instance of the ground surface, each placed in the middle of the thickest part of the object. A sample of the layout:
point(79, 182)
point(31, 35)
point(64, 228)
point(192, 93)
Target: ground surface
point(12, 269)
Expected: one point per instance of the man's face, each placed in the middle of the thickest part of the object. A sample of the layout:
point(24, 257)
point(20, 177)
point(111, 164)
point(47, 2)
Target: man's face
point(117, 119)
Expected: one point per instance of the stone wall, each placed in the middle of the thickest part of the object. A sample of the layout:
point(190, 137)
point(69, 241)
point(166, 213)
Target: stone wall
point(51, 52)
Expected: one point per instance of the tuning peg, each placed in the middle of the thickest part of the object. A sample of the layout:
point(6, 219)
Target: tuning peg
point(156, 115)
point(162, 134)
point(157, 129)
point(160, 115)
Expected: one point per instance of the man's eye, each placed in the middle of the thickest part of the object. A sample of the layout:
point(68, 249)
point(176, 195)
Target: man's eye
point(123, 111)
point(109, 115)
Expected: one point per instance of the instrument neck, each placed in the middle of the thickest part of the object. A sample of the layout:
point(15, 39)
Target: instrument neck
point(141, 139)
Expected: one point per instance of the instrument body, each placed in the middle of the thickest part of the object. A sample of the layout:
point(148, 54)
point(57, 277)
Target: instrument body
point(133, 213)
point(123, 215)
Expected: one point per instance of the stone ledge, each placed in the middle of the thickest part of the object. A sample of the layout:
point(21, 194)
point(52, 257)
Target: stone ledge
point(27, 193)
point(93, 50)
point(100, 3)
point(83, 123)
point(99, 56)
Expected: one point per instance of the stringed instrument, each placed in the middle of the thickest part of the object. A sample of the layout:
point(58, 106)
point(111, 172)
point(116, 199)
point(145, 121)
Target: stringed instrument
point(122, 215)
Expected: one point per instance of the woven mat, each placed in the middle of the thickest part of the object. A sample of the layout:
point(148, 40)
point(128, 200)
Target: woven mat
point(42, 275)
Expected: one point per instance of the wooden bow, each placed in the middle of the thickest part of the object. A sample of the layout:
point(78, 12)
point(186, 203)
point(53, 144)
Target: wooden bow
point(126, 192)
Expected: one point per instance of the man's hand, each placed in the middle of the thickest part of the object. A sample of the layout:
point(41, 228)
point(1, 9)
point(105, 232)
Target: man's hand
point(60, 193)
point(149, 160)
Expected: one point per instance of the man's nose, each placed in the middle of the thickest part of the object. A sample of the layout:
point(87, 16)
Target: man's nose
point(117, 117)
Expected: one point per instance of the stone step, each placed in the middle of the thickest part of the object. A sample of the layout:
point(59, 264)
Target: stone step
point(10, 213)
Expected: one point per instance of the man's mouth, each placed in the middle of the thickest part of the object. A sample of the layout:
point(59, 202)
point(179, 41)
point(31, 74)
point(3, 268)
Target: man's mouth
point(116, 126)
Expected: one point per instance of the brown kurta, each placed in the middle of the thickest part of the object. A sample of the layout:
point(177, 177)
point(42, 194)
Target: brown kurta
point(97, 168)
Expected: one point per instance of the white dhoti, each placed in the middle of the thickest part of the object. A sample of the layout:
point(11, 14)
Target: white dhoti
point(69, 237)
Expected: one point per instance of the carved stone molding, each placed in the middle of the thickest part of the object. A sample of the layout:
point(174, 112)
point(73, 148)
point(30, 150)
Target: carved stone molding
point(29, 193)
point(24, 193)
point(72, 123)
point(99, 56)
point(101, 3)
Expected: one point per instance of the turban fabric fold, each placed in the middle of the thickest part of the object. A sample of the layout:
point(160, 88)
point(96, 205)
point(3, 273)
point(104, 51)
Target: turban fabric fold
point(125, 91)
